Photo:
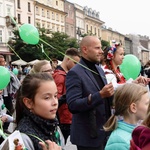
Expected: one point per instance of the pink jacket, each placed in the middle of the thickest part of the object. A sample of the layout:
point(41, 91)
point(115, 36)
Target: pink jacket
point(140, 138)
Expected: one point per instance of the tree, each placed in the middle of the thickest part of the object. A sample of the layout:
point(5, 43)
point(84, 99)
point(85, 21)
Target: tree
point(105, 44)
point(54, 45)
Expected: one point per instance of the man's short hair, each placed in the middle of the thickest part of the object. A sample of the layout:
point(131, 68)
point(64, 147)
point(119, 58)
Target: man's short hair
point(72, 52)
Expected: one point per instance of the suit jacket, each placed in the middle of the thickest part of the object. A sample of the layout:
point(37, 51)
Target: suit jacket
point(80, 82)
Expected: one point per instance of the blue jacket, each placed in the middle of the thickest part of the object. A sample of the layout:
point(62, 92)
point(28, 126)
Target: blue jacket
point(80, 82)
point(120, 137)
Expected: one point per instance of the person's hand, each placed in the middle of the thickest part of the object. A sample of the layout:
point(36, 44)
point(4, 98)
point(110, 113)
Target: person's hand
point(107, 90)
point(50, 145)
point(142, 80)
point(4, 119)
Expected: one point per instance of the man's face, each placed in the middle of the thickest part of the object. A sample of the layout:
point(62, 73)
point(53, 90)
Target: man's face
point(2, 62)
point(72, 63)
point(94, 51)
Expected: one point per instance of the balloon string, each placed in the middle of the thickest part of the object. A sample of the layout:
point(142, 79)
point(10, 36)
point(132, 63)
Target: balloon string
point(1, 130)
point(14, 21)
point(62, 54)
point(13, 51)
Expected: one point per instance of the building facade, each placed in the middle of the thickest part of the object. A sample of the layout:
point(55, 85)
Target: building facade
point(50, 14)
point(7, 10)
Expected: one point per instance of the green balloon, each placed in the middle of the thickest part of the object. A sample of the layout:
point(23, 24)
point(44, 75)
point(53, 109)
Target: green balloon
point(4, 77)
point(15, 71)
point(29, 34)
point(131, 66)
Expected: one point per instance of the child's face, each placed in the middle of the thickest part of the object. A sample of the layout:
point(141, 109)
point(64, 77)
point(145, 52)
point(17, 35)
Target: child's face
point(118, 56)
point(46, 102)
point(142, 107)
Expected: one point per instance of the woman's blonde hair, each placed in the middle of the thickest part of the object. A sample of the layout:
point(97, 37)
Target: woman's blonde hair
point(124, 96)
point(38, 65)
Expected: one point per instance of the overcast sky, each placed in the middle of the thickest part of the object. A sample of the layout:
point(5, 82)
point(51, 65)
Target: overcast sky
point(124, 16)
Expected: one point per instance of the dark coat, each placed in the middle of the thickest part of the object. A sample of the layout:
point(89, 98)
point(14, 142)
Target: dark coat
point(80, 82)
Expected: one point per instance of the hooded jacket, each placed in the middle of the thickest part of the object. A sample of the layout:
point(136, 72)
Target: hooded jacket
point(140, 138)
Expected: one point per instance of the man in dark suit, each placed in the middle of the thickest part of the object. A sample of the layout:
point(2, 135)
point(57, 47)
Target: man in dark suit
point(88, 97)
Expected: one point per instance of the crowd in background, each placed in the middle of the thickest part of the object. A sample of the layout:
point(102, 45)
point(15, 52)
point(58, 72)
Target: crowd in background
point(85, 98)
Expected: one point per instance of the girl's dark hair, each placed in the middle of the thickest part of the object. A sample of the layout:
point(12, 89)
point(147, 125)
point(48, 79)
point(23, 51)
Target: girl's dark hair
point(108, 62)
point(28, 89)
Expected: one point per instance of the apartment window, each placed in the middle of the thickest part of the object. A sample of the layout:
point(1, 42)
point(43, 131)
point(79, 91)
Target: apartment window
point(10, 33)
point(48, 14)
point(53, 27)
point(91, 30)
point(19, 18)
point(18, 4)
point(62, 29)
point(56, 3)
point(57, 17)
point(29, 19)
point(43, 13)
point(72, 31)
point(87, 28)
point(0, 9)
point(8, 11)
point(0, 36)
point(29, 7)
point(67, 29)
point(37, 11)
point(43, 25)
point(57, 28)
point(98, 32)
point(62, 19)
point(95, 30)
point(53, 16)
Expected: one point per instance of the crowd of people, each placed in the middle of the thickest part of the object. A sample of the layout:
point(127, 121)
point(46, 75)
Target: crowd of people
point(85, 98)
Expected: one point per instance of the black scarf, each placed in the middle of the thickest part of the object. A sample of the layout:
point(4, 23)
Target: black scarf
point(32, 124)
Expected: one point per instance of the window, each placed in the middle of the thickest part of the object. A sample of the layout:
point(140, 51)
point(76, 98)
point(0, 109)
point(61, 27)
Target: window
point(29, 7)
point(48, 14)
point(98, 32)
point(29, 19)
point(19, 18)
point(57, 28)
point(37, 11)
point(43, 13)
point(87, 28)
point(62, 19)
point(8, 11)
point(95, 30)
point(53, 16)
point(53, 27)
point(10, 33)
point(43, 25)
point(18, 4)
point(56, 3)
point(57, 17)
point(0, 9)
point(0, 36)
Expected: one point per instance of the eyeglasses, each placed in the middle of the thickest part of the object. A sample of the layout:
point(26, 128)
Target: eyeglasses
point(49, 70)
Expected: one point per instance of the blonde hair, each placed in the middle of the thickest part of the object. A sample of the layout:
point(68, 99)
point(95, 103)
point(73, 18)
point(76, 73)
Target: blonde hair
point(124, 96)
point(38, 65)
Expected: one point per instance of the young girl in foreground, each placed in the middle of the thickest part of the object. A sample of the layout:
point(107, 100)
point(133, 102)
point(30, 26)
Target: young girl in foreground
point(131, 101)
point(36, 107)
